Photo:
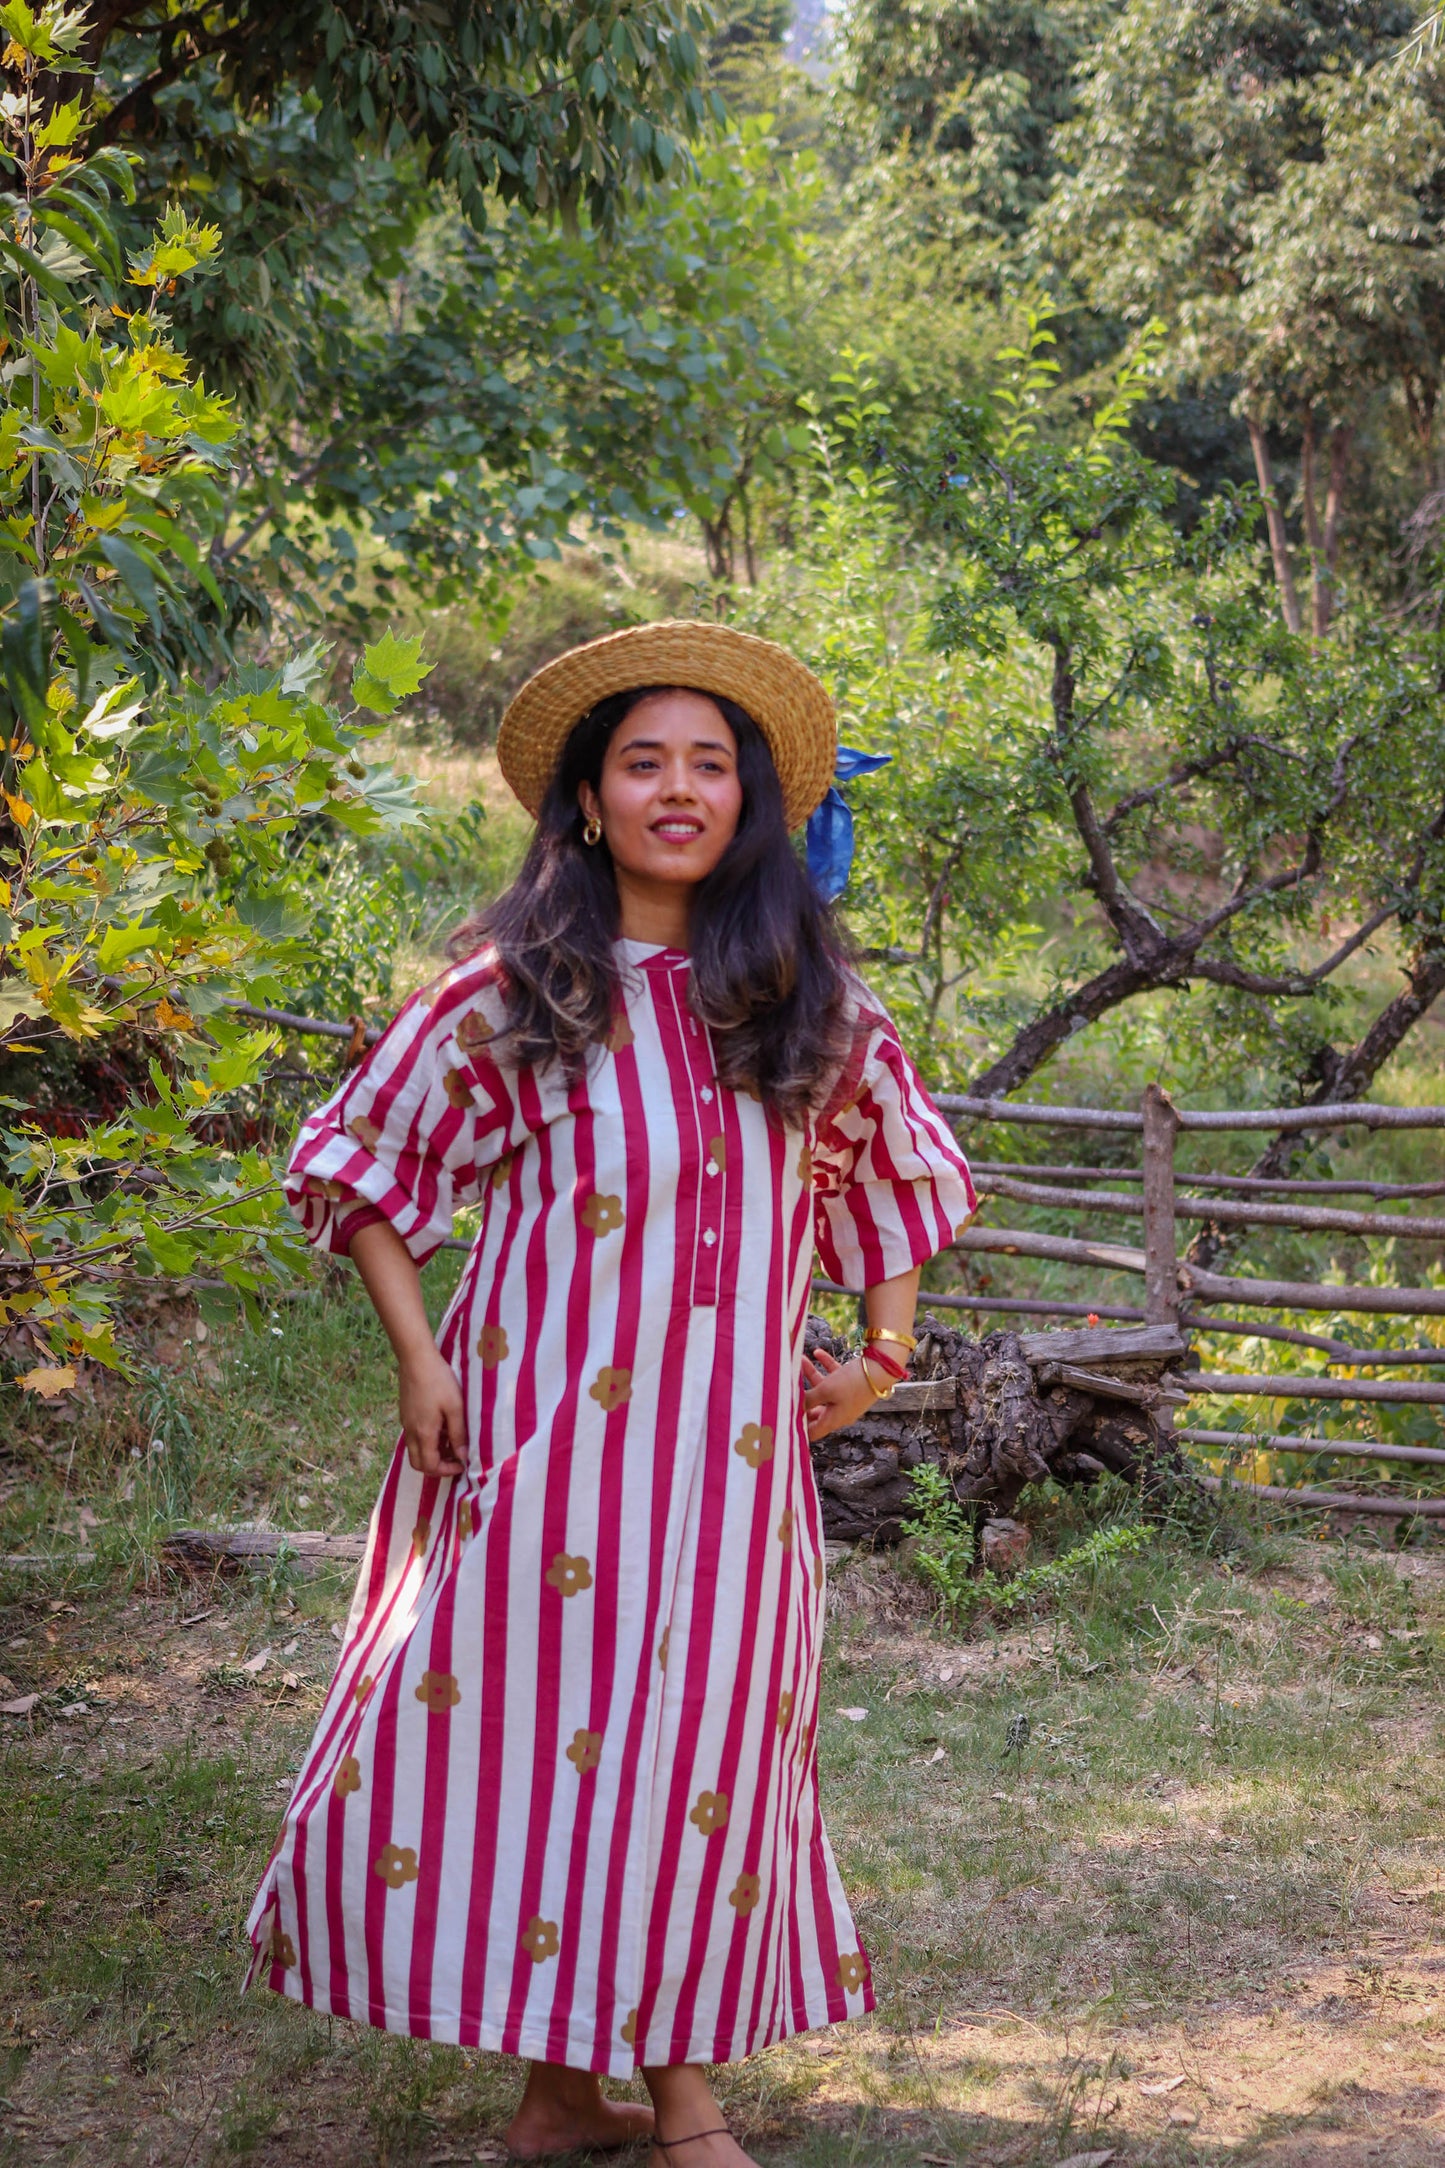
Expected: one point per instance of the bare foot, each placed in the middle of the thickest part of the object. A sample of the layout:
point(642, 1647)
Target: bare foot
point(573, 2117)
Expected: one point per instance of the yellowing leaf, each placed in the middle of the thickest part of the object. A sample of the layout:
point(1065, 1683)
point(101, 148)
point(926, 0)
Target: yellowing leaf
point(21, 810)
point(49, 1381)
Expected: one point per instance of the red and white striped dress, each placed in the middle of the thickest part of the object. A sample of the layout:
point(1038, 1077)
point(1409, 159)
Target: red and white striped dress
point(562, 1799)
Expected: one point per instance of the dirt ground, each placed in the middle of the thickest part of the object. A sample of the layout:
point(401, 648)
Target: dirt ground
point(1121, 1945)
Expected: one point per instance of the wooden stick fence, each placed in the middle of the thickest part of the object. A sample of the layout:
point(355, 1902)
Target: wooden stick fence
point(1174, 1291)
point(1178, 1294)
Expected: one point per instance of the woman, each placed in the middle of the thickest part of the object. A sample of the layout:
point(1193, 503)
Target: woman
point(562, 1799)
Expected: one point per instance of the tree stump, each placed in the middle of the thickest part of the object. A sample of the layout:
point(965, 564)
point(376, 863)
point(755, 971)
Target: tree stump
point(998, 1413)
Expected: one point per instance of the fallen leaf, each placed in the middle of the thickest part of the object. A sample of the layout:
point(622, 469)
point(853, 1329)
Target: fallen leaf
point(1089, 2160)
point(198, 1618)
point(87, 1519)
point(290, 1679)
point(336, 1636)
point(939, 1754)
point(854, 1716)
point(22, 1706)
point(1184, 2118)
point(48, 1381)
point(1157, 2086)
point(292, 1645)
point(77, 1708)
point(938, 2160)
point(256, 1664)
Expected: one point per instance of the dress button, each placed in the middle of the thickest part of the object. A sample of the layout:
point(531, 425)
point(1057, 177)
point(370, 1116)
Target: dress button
point(705, 1095)
point(709, 1238)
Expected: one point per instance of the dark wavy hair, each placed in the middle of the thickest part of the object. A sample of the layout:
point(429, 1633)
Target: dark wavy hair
point(769, 964)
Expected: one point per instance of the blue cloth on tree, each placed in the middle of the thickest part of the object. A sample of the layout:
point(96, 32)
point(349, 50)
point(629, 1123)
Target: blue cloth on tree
point(830, 827)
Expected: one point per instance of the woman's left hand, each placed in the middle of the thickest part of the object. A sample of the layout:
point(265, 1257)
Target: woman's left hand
point(835, 1395)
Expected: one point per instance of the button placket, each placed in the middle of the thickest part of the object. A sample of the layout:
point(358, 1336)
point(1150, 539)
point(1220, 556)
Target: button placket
point(713, 1182)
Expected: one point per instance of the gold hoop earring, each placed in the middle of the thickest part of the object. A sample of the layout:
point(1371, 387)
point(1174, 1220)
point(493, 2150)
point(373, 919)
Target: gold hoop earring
point(592, 829)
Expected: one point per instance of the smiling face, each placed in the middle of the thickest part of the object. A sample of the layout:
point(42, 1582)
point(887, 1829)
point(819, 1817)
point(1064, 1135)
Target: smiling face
point(669, 797)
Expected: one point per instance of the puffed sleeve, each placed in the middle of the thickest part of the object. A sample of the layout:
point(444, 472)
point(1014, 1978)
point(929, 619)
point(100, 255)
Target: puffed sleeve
point(891, 1185)
point(409, 1134)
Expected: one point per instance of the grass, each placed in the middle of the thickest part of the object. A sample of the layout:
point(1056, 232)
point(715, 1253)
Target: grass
point(1183, 1825)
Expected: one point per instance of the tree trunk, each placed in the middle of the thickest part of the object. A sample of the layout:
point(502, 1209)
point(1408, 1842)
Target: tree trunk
point(1020, 1417)
point(1274, 520)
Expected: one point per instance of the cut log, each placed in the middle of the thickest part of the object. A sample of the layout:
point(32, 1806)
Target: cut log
point(211, 1546)
point(987, 1414)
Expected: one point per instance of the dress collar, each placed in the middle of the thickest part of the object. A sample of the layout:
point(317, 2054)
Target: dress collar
point(652, 956)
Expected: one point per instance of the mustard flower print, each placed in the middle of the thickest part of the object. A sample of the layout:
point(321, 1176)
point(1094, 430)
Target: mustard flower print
point(755, 1445)
point(420, 1538)
point(805, 1166)
point(818, 1573)
point(785, 1711)
point(492, 1346)
point(629, 2030)
point(710, 1813)
point(365, 1132)
point(600, 1215)
point(315, 1187)
point(620, 1035)
point(585, 1752)
point(569, 1576)
point(396, 1866)
point(439, 1690)
point(457, 1089)
point(539, 1939)
point(502, 1170)
point(610, 1388)
point(662, 1646)
point(347, 1778)
point(852, 1973)
point(473, 1031)
point(279, 1949)
point(785, 1529)
point(717, 1152)
point(363, 1689)
point(744, 1894)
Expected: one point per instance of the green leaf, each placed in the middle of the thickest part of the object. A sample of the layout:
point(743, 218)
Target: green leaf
point(395, 665)
point(24, 650)
point(136, 575)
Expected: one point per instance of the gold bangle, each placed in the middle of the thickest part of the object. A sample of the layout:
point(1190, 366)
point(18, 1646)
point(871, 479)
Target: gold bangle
point(886, 1332)
point(880, 1392)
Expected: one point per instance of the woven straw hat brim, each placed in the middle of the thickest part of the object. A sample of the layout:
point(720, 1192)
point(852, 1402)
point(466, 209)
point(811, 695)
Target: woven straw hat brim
point(784, 699)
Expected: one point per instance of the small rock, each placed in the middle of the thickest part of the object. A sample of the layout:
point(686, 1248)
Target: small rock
point(854, 1716)
point(1156, 2086)
point(1005, 1545)
point(21, 1706)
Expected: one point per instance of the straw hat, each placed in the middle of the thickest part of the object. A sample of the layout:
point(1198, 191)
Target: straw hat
point(784, 699)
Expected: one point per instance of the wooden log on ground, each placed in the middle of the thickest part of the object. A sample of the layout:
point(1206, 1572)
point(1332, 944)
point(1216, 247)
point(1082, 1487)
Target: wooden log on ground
point(995, 1414)
point(219, 1546)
